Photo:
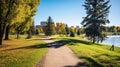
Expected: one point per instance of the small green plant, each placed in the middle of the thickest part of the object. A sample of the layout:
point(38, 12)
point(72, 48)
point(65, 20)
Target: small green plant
point(72, 34)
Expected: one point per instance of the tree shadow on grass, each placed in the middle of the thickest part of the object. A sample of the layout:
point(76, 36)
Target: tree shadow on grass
point(33, 39)
point(36, 46)
point(58, 38)
point(93, 63)
point(72, 41)
point(55, 44)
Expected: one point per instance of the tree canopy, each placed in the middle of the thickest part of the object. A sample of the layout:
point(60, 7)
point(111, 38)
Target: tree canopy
point(16, 12)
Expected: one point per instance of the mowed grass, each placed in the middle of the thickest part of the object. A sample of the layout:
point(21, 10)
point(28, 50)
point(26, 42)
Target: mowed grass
point(95, 55)
point(22, 52)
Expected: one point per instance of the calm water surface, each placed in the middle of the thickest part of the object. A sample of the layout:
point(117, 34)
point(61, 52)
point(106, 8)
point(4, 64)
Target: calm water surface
point(113, 39)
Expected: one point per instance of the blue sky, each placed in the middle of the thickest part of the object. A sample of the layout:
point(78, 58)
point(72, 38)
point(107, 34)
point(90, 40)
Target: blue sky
point(71, 12)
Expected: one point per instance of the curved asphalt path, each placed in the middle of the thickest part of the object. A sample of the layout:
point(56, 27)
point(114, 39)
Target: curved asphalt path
point(60, 56)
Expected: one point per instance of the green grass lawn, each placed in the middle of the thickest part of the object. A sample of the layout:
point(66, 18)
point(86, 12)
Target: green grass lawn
point(22, 52)
point(95, 55)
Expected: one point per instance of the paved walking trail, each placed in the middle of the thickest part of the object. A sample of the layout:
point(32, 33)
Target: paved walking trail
point(60, 56)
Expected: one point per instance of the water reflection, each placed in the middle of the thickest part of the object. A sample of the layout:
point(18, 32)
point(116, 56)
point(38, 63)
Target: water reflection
point(114, 39)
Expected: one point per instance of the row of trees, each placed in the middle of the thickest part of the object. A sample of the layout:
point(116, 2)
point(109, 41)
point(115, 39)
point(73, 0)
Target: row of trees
point(113, 29)
point(59, 28)
point(17, 15)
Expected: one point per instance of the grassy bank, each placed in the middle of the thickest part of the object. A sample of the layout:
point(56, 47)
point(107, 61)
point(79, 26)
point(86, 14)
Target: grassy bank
point(95, 55)
point(22, 52)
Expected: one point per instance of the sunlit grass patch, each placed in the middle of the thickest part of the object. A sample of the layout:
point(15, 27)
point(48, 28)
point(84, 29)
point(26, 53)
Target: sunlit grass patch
point(22, 52)
point(100, 55)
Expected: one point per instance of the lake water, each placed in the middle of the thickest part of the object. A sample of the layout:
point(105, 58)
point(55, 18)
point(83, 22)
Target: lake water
point(113, 39)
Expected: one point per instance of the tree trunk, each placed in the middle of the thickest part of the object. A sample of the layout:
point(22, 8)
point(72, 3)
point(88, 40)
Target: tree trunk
point(17, 34)
point(98, 39)
point(3, 25)
point(2, 30)
point(1, 38)
point(7, 32)
point(29, 34)
point(94, 39)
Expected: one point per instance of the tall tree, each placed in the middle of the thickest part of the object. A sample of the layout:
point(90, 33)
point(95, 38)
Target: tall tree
point(50, 27)
point(7, 32)
point(6, 14)
point(67, 30)
point(97, 17)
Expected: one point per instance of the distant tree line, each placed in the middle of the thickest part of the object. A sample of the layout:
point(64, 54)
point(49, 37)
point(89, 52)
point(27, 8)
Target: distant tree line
point(60, 29)
point(113, 30)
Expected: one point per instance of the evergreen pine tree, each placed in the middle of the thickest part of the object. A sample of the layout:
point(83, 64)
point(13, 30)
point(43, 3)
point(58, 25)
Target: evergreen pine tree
point(50, 28)
point(72, 34)
point(67, 30)
point(97, 13)
point(78, 32)
point(36, 32)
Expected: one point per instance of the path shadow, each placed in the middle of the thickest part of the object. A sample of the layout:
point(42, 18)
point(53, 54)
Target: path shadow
point(79, 64)
point(55, 45)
